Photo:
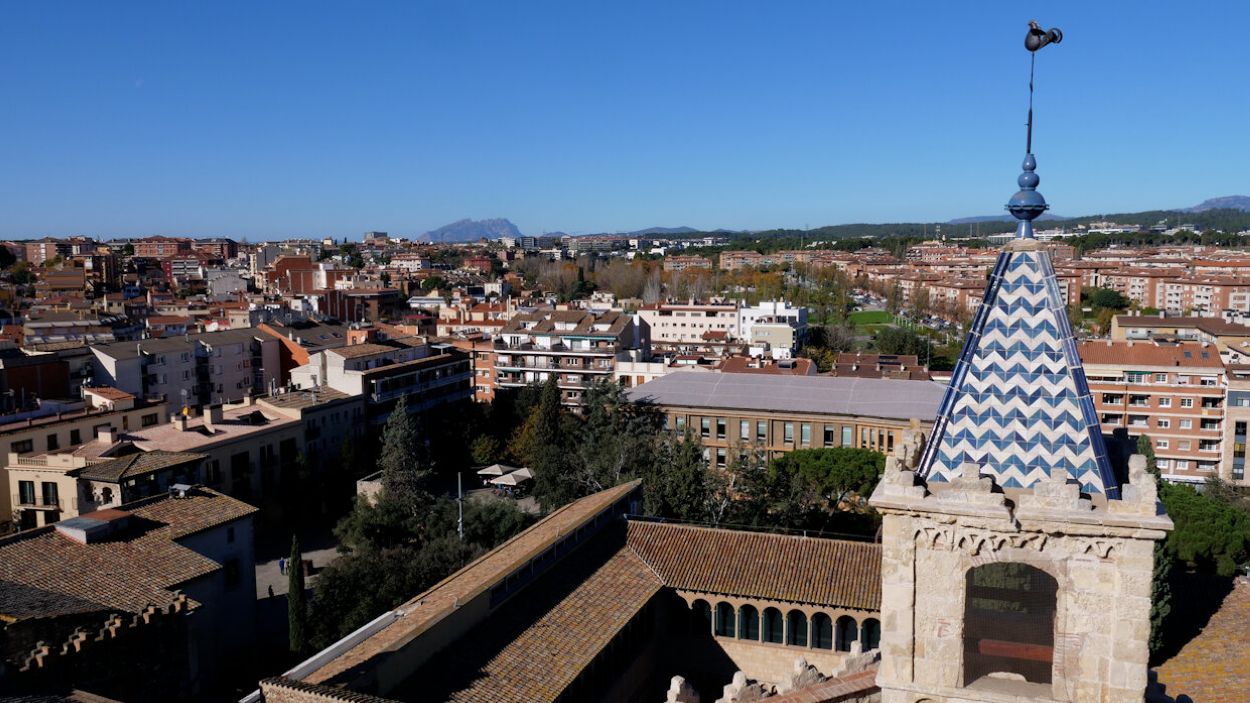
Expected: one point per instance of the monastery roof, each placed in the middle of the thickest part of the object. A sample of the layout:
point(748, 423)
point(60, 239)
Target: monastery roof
point(799, 569)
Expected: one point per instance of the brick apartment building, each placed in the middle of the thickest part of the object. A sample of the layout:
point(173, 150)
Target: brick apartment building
point(1173, 392)
point(162, 247)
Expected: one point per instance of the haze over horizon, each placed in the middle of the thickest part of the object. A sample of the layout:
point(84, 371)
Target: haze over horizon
point(259, 122)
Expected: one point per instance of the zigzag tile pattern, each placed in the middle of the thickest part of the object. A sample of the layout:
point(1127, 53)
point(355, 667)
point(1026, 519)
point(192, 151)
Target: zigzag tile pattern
point(1018, 405)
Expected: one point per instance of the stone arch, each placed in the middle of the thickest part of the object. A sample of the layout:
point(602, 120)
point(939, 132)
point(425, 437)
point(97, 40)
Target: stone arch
point(1010, 613)
point(822, 631)
point(748, 623)
point(870, 634)
point(725, 619)
point(846, 631)
point(774, 626)
point(796, 628)
point(700, 617)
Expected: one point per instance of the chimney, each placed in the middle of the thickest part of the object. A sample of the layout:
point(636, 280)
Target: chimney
point(180, 422)
point(212, 417)
point(107, 436)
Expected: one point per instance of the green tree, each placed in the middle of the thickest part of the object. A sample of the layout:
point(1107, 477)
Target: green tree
point(404, 460)
point(840, 474)
point(543, 446)
point(899, 340)
point(677, 484)
point(1160, 596)
point(1210, 534)
point(894, 298)
point(615, 440)
point(1105, 298)
point(486, 449)
point(433, 283)
point(296, 606)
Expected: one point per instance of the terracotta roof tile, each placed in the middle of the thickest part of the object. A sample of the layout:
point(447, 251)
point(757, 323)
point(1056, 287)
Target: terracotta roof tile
point(792, 568)
point(1186, 354)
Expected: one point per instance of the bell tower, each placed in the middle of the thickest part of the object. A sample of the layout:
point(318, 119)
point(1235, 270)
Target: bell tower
point(1016, 564)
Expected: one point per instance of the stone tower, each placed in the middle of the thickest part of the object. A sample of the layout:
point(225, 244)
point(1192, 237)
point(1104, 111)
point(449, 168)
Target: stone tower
point(1016, 565)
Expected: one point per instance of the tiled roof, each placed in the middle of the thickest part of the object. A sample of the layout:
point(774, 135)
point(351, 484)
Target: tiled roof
point(1216, 663)
point(284, 690)
point(1151, 354)
point(426, 609)
point(531, 650)
point(792, 568)
point(45, 574)
point(138, 465)
point(852, 687)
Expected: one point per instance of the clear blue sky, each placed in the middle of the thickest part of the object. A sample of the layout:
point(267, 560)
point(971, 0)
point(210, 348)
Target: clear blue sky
point(265, 119)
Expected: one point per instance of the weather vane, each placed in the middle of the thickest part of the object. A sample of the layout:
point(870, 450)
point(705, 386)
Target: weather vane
point(1028, 204)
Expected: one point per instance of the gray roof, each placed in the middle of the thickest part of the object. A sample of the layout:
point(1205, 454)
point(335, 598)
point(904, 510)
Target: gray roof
point(826, 395)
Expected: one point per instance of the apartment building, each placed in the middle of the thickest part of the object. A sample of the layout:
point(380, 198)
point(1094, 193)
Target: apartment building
point(579, 346)
point(1205, 296)
point(162, 247)
point(481, 351)
point(1236, 421)
point(736, 413)
point(104, 408)
point(684, 263)
point(1173, 392)
point(191, 370)
point(425, 375)
point(677, 326)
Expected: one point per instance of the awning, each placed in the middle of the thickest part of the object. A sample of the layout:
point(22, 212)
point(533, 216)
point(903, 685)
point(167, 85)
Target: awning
point(513, 479)
point(496, 470)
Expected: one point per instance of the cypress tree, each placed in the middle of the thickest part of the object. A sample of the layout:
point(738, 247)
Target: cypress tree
point(296, 606)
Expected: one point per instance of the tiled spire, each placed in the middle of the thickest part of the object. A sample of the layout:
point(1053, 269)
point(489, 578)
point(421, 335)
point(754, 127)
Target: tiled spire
point(1018, 406)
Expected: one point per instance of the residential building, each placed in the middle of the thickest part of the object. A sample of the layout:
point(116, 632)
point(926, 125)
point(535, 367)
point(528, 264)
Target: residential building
point(687, 263)
point(676, 326)
point(773, 328)
point(425, 375)
point(191, 370)
point(161, 247)
point(102, 600)
point(40, 251)
point(579, 347)
point(1236, 420)
point(1172, 392)
point(772, 414)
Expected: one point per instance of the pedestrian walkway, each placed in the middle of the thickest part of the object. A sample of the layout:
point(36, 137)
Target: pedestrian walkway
point(267, 573)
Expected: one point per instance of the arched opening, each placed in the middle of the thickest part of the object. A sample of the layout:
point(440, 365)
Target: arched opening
point(748, 623)
point(870, 634)
point(774, 627)
point(1009, 622)
point(797, 622)
point(724, 619)
point(846, 632)
point(822, 631)
point(700, 617)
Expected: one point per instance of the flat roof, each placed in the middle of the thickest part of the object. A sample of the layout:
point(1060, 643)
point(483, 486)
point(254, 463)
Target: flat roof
point(892, 399)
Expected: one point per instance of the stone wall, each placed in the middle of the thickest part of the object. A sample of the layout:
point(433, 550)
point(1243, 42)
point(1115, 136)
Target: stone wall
point(1100, 553)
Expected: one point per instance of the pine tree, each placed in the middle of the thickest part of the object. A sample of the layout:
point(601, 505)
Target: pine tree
point(405, 468)
point(544, 450)
point(297, 607)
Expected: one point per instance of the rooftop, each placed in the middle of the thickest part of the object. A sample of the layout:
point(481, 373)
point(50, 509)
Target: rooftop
point(45, 574)
point(1151, 354)
point(864, 397)
point(236, 421)
point(134, 465)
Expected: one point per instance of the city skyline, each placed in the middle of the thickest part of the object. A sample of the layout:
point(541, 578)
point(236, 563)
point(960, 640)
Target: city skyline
point(260, 123)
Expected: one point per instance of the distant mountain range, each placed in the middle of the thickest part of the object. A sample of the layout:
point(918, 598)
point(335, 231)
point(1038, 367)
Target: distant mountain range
point(467, 230)
point(1228, 202)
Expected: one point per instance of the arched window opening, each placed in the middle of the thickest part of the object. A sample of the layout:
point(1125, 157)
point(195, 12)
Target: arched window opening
point(724, 619)
point(748, 623)
point(1009, 622)
point(847, 632)
point(870, 634)
point(700, 617)
point(774, 628)
point(797, 635)
point(822, 631)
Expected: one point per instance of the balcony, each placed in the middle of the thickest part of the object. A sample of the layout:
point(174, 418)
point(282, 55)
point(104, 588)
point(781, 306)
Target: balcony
point(38, 503)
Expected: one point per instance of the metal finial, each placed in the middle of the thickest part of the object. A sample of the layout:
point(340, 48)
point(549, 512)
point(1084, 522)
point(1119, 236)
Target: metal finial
point(1028, 204)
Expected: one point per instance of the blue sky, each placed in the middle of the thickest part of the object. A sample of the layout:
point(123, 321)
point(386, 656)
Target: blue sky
point(266, 119)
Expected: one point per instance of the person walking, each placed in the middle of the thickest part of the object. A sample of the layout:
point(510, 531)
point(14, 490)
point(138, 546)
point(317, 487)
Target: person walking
point(282, 565)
